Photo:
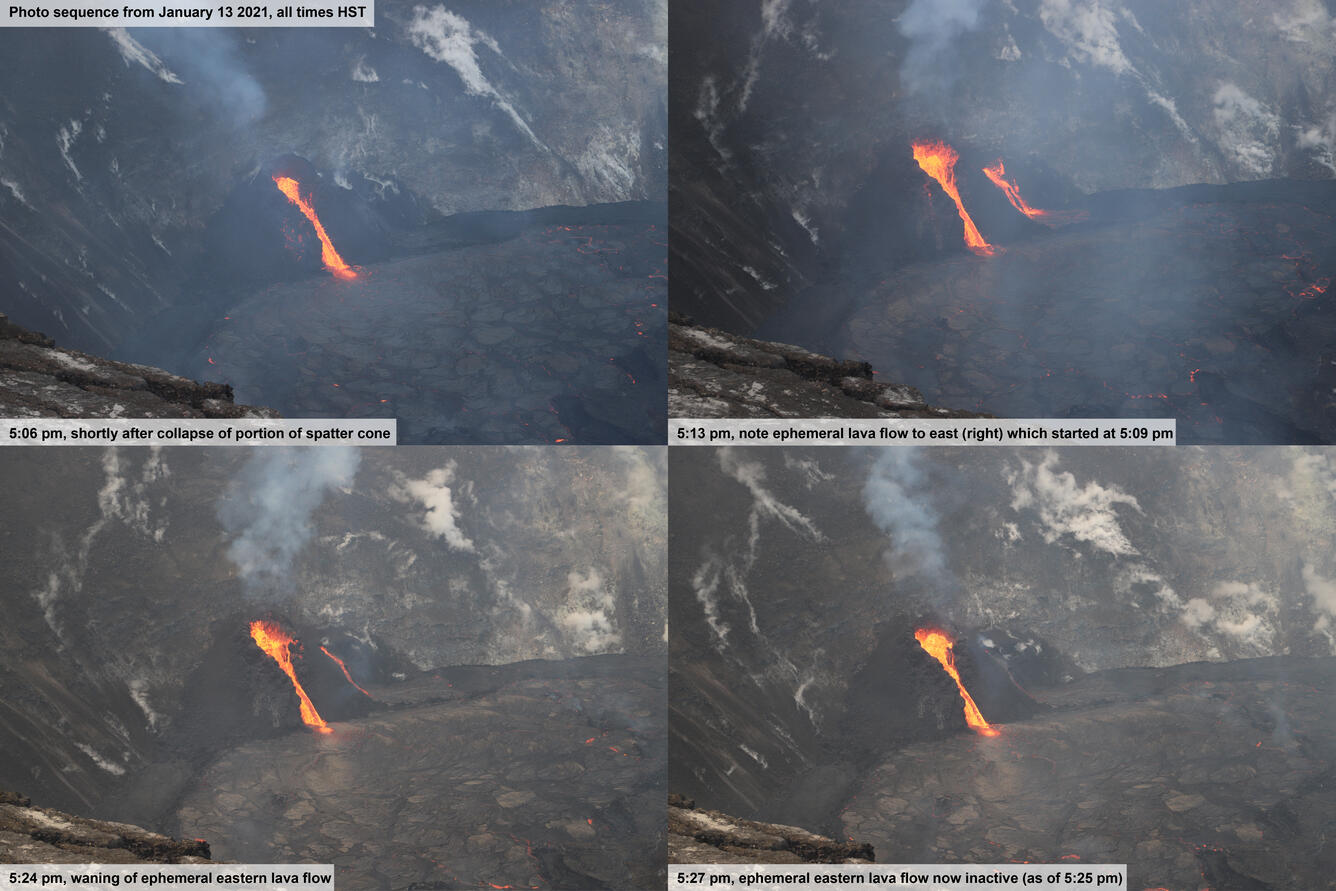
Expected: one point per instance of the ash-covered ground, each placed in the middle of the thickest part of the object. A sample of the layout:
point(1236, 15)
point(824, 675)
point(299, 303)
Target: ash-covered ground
point(141, 219)
point(800, 214)
point(1149, 633)
point(482, 630)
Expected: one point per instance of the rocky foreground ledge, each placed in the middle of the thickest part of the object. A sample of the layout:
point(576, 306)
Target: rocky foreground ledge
point(41, 835)
point(704, 836)
point(714, 374)
point(40, 380)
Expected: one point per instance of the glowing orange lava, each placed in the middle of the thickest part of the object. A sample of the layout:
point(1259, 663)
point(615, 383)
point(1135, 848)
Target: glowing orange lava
point(997, 173)
point(330, 257)
point(339, 662)
point(938, 160)
point(275, 642)
point(941, 647)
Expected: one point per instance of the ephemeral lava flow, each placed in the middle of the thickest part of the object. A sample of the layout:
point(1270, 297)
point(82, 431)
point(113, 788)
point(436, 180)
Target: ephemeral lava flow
point(998, 174)
point(942, 648)
point(330, 257)
point(344, 668)
point(938, 160)
point(269, 637)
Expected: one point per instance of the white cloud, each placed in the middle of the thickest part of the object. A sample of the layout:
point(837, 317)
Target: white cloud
point(435, 494)
point(1086, 513)
point(449, 38)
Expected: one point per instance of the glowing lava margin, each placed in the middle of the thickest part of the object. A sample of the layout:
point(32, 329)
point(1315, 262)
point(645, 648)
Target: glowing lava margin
point(938, 160)
point(269, 637)
point(328, 255)
point(942, 648)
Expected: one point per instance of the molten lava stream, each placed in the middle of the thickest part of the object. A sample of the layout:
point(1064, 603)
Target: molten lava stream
point(997, 174)
point(940, 647)
point(330, 257)
point(339, 662)
point(275, 642)
point(938, 160)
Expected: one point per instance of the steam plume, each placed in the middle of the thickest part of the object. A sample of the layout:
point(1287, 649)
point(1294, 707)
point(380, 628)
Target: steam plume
point(269, 509)
point(898, 498)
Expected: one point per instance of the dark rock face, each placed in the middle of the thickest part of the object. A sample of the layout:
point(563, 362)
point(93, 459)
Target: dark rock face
point(40, 380)
point(713, 374)
point(705, 836)
point(31, 834)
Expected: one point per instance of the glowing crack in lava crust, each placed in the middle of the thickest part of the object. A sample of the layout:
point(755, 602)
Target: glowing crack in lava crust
point(275, 642)
point(941, 647)
point(328, 255)
point(938, 160)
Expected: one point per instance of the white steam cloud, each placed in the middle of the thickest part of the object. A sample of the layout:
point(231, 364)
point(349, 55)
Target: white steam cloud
point(897, 497)
point(269, 509)
point(435, 494)
point(1086, 513)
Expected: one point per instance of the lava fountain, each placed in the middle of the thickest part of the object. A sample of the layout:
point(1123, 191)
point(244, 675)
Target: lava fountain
point(344, 668)
point(269, 637)
point(942, 648)
point(938, 160)
point(328, 255)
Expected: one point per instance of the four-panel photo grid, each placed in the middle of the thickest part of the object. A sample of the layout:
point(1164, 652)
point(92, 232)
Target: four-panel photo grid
point(668, 444)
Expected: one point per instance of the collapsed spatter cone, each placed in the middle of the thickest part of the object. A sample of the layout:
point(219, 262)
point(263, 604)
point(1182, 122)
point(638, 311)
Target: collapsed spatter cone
point(938, 160)
point(328, 255)
point(275, 642)
point(941, 647)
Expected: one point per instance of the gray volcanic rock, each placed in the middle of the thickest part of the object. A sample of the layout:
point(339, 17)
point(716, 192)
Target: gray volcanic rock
point(714, 374)
point(707, 836)
point(31, 834)
point(40, 380)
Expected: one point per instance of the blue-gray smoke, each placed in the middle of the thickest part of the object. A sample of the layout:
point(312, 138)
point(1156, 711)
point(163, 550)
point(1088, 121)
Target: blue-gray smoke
point(269, 506)
point(898, 497)
point(932, 26)
point(210, 62)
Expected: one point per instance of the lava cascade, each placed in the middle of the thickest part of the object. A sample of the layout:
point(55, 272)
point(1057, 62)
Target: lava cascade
point(938, 160)
point(328, 255)
point(998, 173)
point(275, 642)
point(942, 648)
point(344, 668)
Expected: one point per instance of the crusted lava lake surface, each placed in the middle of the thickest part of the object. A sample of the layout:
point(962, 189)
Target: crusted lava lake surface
point(1207, 304)
point(496, 328)
point(1200, 775)
point(536, 774)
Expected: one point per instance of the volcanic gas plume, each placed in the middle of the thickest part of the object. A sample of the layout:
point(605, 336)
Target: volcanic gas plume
point(269, 637)
point(938, 160)
point(328, 255)
point(942, 648)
